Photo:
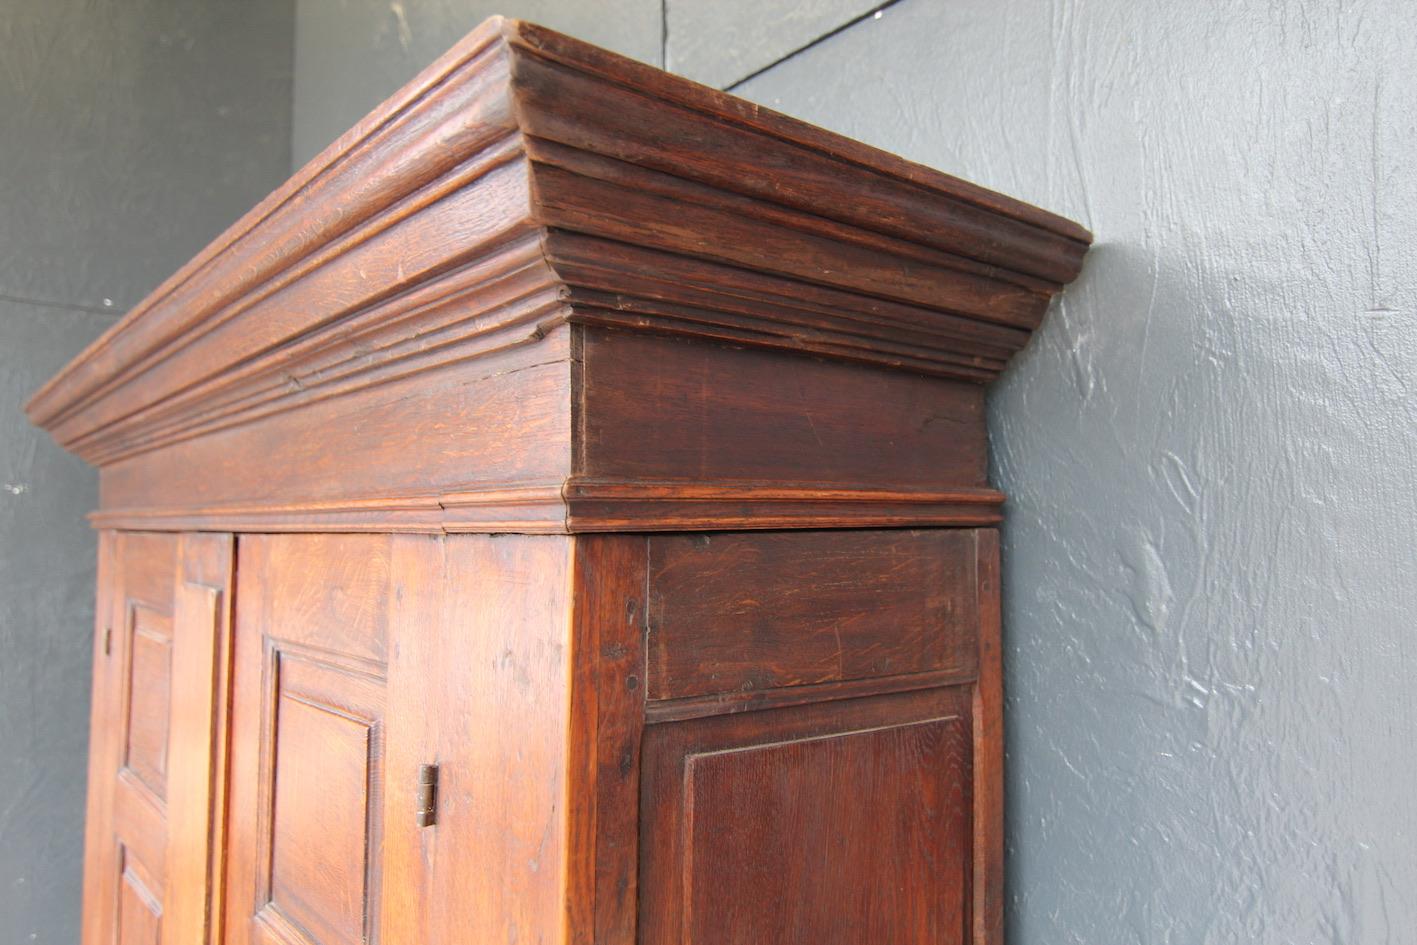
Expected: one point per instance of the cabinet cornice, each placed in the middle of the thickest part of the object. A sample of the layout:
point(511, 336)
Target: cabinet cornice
point(528, 184)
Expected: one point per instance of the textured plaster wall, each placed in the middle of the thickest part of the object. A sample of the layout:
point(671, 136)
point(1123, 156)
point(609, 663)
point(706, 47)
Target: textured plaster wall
point(130, 134)
point(1211, 447)
point(724, 41)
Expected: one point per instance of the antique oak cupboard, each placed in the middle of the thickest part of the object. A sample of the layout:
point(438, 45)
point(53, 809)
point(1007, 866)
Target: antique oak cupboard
point(559, 515)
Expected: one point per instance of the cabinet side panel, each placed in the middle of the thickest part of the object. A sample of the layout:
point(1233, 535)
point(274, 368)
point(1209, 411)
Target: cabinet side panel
point(480, 686)
point(856, 837)
point(740, 613)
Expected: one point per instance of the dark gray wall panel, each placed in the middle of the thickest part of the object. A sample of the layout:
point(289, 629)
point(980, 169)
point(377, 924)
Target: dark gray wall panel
point(46, 629)
point(350, 55)
point(133, 133)
point(720, 42)
point(1210, 447)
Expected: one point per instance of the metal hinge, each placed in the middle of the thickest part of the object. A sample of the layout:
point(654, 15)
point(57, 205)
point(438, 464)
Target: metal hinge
point(427, 795)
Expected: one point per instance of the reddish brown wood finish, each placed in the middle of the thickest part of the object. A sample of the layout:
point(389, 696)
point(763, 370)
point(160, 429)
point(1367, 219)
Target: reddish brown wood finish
point(305, 827)
point(427, 286)
point(158, 726)
point(460, 389)
point(737, 613)
point(481, 682)
point(835, 823)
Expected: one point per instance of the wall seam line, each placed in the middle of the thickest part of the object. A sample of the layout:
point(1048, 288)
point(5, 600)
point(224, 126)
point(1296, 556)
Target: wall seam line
point(834, 31)
point(114, 312)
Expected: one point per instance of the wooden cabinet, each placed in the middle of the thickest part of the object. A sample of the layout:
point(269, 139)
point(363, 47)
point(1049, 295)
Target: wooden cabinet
point(559, 514)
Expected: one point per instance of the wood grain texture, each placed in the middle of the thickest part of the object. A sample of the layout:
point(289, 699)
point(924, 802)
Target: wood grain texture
point(128, 870)
point(424, 286)
point(156, 749)
point(98, 808)
point(659, 408)
point(746, 612)
point(304, 822)
point(891, 868)
point(838, 823)
point(988, 714)
point(607, 725)
point(201, 669)
point(481, 673)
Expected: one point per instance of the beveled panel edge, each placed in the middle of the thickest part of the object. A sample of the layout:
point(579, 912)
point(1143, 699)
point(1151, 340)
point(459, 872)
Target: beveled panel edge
point(758, 700)
point(583, 506)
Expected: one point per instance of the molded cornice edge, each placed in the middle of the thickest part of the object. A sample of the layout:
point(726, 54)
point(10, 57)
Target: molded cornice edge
point(659, 205)
point(526, 185)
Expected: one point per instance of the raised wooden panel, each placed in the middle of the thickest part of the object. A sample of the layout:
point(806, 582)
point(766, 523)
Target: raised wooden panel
point(158, 716)
point(304, 861)
point(861, 837)
point(125, 840)
point(835, 823)
point(746, 612)
point(139, 907)
point(324, 765)
point(149, 696)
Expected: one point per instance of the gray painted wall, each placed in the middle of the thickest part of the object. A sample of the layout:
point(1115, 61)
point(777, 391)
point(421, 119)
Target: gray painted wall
point(350, 55)
point(722, 42)
point(1210, 447)
point(130, 135)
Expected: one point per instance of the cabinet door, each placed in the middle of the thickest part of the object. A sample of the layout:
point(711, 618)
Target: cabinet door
point(305, 835)
point(162, 629)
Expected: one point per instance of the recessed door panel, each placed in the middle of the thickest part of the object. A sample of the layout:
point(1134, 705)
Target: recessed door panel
point(308, 740)
point(139, 907)
point(149, 696)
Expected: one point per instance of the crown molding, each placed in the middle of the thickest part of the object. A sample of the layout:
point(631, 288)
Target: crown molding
point(658, 204)
point(584, 505)
point(526, 185)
